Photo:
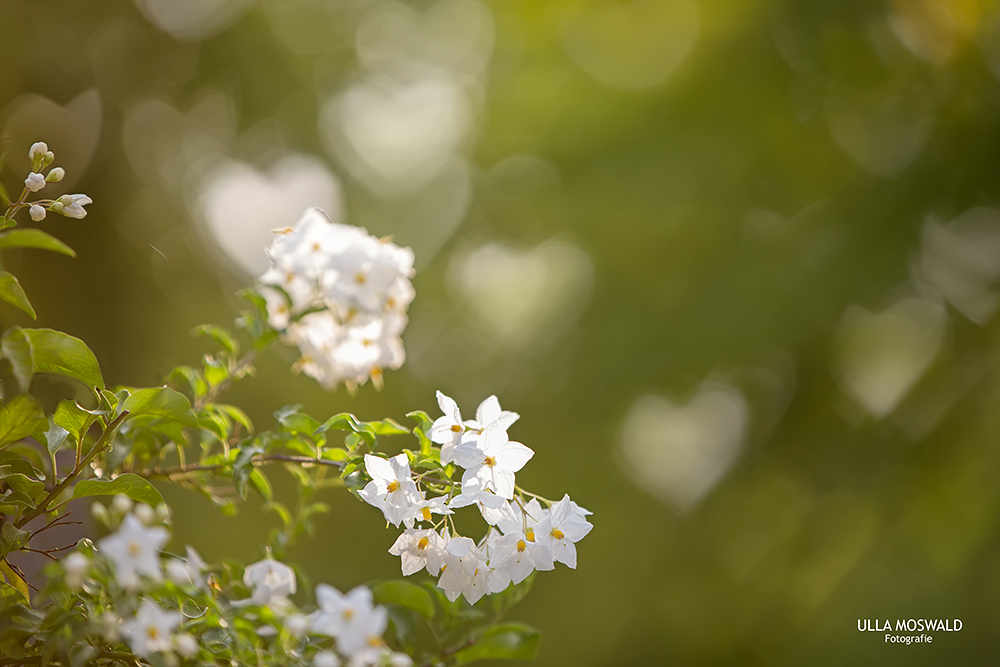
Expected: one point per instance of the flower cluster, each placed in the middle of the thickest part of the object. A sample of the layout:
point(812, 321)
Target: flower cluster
point(340, 295)
point(71, 206)
point(523, 536)
point(344, 629)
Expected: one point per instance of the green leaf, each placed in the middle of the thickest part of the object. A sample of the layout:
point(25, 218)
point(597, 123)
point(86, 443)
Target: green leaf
point(74, 419)
point(16, 584)
point(12, 539)
point(405, 594)
point(261, 483)
point(388, 427)
point(293, 421)
point(160, 402)
point(62, 354)
point(11, 292)
point(225, 339)
point(55, 437)
point(137, 488)
point(509, 641)
point(423, 426)
point(23, 483)
point(19, 418)
point(34, 238)
point(16, 349)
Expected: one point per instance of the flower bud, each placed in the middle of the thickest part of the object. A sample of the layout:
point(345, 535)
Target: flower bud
point(55, 175)
point(145, 513)
point(48, 158)
point(122, 503)
point(36, 212)
point(34, 182)
point(76, 566)
point(37, 150)
point(186, 645)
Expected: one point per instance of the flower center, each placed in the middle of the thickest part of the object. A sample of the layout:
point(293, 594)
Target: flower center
point(530, 534)
point(558, 534)
point(489, 461)
point(348, 614)
point(422, 544)
point(134, 548)
point(393, 487)
point(455, 428)
point(426, 513)
point(521, 546)
point(152, 632)
point(316, 246)
point(359, 278)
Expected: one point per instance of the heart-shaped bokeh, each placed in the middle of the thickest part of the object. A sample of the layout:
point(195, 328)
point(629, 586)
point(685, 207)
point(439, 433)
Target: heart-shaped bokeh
point(455, 35)
point(680, 452)
point(70, 131)
point(881, 355)
point(962, 260)
point(637, 44)
point(884, 137)
point(395, 135)
point(521, 297)
point(192, 19)
point(241, 206)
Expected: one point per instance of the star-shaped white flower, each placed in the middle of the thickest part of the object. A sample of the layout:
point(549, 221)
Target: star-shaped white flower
point(271, 581)
point(340, 615)
point(561, 529)
point(151, 630)
point(392, 489)
point(134, 550)
point(418, 549)
point(492, 462)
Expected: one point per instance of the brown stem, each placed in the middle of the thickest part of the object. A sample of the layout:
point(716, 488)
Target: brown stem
point(43, 506)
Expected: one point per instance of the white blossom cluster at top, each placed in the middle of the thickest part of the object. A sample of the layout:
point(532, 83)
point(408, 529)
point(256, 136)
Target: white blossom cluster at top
point(340, 295)
point(71, 206)
point(134, 551)
point(522, 537)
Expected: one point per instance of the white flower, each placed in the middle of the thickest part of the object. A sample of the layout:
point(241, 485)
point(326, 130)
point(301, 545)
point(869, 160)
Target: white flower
point(326, 659)
point(133, 549)
point(418, 549)
point(493, 508)
point(491, 462)
point(75, 208)
point(271, 581)
point(340, 295)
point(363, 634)
point(561, 529)
point(425, 509)
point(37, 150)
point(392, 489)
point(151, 629)
point(186, 645)
point(36, 212)
point(519, 556)
point(76, 566)
point(297, 624)
point(187, 573)
point(464, 571)
point(340, 615)
point(34, 182)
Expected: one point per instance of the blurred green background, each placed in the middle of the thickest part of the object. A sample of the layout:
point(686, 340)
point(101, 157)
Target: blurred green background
point(734, 262)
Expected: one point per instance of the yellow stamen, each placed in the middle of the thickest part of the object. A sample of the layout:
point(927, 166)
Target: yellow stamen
point(489, 461)
point(558, 534)
point(422, 544)
point(360, 278)
point(316, 246)
point(530, 534)
point(426, 513)
point(393, 487)
point(455, 428)
point(521, 546)
point(348, 614)
point(152, 632)
point(134, 548)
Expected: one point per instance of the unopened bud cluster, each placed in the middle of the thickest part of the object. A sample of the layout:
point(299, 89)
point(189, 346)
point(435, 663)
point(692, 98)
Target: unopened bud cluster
point(71, 206)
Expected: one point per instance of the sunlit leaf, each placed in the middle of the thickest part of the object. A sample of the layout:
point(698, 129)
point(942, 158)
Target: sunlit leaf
point(15, 348)
point(11, 292)
point(509, 641)
point(20, 417)
point(137, 488)
point(404, 594)
point(62, 354)
point(34, 238)
point(160, 402)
